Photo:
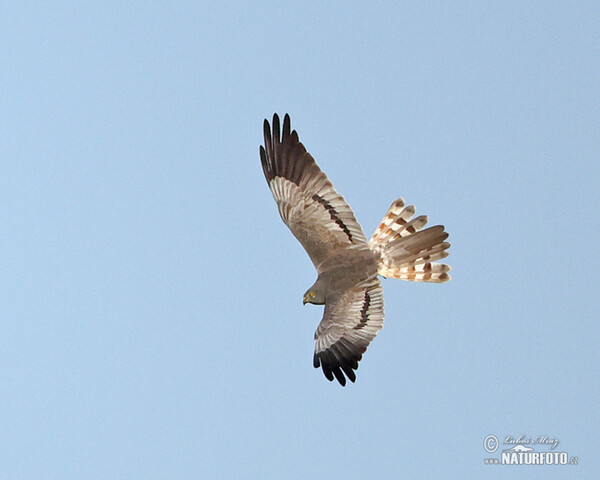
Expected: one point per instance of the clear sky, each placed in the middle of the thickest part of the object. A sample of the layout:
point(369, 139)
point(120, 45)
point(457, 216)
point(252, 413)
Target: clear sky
point(151, 298)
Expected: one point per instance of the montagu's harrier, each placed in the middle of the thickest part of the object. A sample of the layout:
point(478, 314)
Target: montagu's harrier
point(347, 264)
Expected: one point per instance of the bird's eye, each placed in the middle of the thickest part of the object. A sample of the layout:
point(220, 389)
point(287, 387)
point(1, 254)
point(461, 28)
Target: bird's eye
point(311, 294)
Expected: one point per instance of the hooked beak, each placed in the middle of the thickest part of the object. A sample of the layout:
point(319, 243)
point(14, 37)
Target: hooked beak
point(304, 300)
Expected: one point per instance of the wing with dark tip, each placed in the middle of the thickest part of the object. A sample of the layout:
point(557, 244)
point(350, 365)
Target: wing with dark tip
point(316, 214)
point(350, 322)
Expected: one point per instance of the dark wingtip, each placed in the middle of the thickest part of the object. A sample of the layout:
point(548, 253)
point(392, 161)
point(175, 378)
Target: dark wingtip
point(332, 368)
point(286, 126)
point(328, 373)
point(347, 368)
point(340, 376)
point(276, 128)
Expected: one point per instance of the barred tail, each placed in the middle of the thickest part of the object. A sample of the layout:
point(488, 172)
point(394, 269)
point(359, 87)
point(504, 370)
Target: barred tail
point(406, 251)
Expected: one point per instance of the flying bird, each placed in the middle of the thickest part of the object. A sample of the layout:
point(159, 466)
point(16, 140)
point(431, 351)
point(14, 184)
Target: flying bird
point(347, 264)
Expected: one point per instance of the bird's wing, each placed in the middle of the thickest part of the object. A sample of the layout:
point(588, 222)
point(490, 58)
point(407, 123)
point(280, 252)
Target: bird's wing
point(316, 214)
point(350, 321)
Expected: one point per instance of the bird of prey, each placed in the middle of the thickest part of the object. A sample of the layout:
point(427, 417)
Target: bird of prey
point(347, 264)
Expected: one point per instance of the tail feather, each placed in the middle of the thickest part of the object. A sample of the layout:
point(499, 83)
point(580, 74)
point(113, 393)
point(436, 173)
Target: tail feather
point(428, 272)
point(406, 251)
point(395, 220)
point(417, 257)
point(428, 258)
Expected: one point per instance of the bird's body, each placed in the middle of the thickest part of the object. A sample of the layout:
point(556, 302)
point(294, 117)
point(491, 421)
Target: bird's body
point(343, 271)
point(347, 264)
point(349, 267)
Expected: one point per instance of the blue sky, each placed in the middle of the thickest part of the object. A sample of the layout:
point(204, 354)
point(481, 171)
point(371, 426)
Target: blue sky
point(151, 298)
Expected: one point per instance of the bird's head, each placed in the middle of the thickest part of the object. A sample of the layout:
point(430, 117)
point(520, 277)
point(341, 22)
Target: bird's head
point(314, 295)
